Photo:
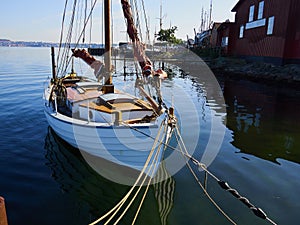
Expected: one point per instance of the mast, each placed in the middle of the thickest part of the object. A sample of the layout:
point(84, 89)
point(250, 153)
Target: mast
point(107, 56)
point(202, 20)
point(160, 16)
point(210, 13)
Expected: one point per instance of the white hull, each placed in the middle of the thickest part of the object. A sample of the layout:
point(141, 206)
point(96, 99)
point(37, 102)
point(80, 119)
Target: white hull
point(125, 145)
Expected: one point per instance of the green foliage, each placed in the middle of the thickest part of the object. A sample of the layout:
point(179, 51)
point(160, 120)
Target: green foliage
point(168, 35)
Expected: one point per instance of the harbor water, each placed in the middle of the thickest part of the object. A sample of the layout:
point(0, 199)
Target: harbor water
point(46, 181)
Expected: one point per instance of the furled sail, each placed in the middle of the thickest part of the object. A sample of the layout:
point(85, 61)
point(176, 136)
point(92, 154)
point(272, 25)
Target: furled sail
point(138, 46)
point(95, 64)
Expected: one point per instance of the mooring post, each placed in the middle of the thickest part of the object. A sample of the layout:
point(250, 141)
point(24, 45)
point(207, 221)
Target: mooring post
point(53, 63)
point(124, 69)
point(3, 217)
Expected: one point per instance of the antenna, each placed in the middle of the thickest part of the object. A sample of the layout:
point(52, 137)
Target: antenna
point(210, 13)
point(202, 20)
point(160, 16)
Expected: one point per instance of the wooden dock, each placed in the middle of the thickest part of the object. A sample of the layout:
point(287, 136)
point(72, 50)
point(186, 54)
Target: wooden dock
point(3, 217)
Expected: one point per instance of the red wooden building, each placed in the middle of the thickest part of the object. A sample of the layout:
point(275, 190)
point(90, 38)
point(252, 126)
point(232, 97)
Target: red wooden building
point(214, 35)
point(265, 30)
point(226, 36)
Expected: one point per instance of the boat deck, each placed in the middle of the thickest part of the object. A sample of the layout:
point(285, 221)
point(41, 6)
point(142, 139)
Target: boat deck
point(116, 107)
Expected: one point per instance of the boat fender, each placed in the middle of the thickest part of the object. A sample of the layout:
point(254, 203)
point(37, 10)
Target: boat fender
point(224, 185)
point(246, 202)
point(259, 212)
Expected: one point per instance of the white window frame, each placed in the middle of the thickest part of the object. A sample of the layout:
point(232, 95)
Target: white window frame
point(224, 41)
point(251, 13)
point(242, 28)
point(260, 10)
point(255, 24)
point(271, 21)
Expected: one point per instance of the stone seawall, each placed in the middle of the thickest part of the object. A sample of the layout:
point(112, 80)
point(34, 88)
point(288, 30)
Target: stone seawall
point(261, 72)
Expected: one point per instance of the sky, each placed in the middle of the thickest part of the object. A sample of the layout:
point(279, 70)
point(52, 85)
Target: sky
point(40, 20)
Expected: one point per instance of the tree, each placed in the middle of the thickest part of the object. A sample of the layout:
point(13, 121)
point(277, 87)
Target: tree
point(168, 35)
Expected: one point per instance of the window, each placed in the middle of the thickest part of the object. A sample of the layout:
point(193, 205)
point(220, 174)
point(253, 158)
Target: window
point(241, 31)
point(256, 23)
point(270, 25)
point(260, 10)
point(224, 41)
point(251, 13)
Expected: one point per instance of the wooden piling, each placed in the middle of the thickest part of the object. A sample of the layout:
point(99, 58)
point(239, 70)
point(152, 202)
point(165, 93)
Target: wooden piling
point(53, 63)
point(3, 217)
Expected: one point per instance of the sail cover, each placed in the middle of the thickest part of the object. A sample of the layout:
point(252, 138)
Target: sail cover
point(95, 64)
point(138, 46)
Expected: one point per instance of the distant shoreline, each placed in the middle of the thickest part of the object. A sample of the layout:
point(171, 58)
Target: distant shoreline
point(9, 43)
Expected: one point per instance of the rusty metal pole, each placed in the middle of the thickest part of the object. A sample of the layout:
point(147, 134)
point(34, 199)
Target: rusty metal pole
point(3, 217)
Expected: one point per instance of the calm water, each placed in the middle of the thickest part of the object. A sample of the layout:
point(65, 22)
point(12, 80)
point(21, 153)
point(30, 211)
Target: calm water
point(45, 181)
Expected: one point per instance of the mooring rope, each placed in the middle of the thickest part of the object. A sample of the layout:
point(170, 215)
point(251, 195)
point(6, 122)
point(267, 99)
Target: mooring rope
point(183, 150)
point(150, 179)
point(119, 205)
point(185, 153)
point(155, 160)
point(257, 211)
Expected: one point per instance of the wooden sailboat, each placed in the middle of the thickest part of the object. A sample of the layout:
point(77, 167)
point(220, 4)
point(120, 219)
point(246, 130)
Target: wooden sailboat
point(98, 119)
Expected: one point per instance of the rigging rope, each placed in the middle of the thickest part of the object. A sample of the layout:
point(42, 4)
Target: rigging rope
point(68, 41)
point(62, 30)
point(85, 11)
point(63, 57)
point(91, 25)
point(138, 24)
point(85, 24)
point(146, 21)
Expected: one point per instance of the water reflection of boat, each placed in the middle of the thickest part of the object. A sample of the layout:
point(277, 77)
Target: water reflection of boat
point(76, 177)
point(251, 112)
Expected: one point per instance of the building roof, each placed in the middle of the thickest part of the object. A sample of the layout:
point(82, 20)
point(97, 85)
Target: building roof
point(237, 5)
point(216, 25)
point(225, 25)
